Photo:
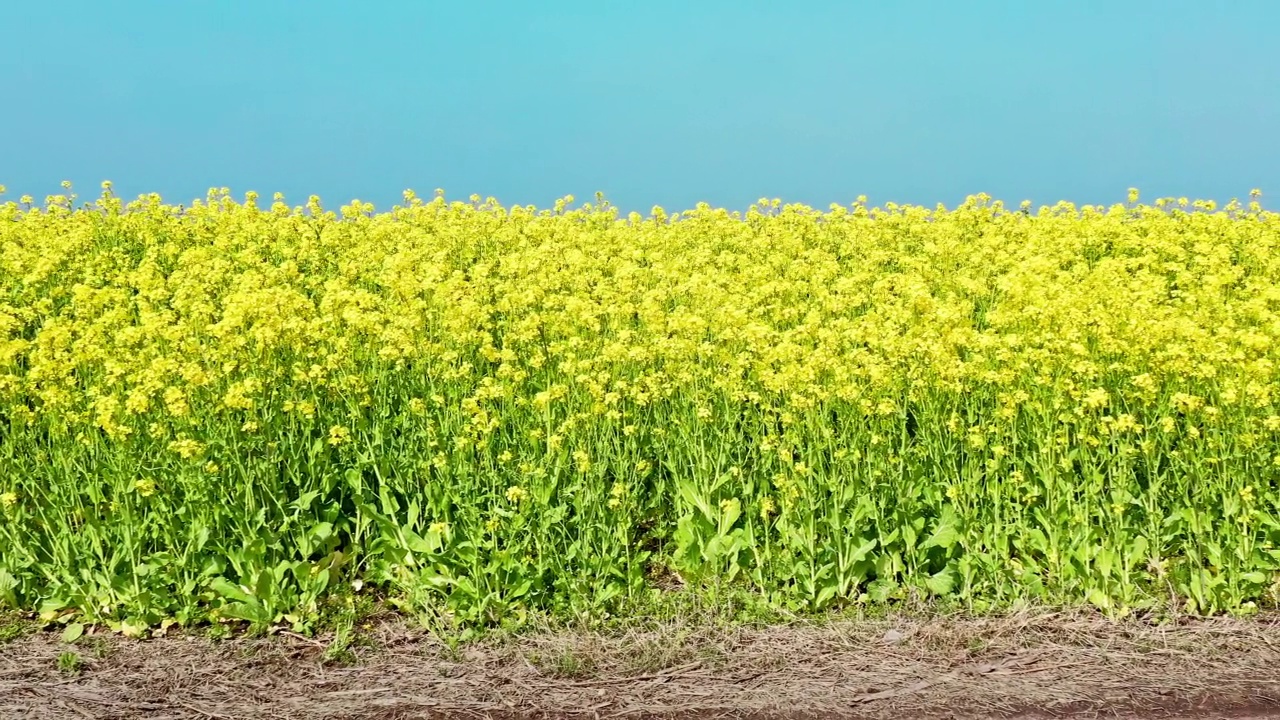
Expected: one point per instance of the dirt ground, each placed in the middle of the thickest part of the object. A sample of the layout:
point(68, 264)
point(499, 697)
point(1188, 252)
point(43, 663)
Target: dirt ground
point(1041, 665)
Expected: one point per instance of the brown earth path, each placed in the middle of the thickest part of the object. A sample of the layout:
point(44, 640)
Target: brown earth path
point(1043, 665)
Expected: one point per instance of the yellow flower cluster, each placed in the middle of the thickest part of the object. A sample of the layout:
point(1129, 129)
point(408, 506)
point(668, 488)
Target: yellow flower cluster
point(816, 306)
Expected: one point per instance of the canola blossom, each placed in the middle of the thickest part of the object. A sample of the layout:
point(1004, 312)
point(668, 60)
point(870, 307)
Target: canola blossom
point(231, 410)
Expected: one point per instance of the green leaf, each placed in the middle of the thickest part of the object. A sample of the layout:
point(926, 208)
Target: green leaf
point(732, 511)
point(943, 581)
point(945, 533)
point(1137, 550)
point(227, 589)
point(862, 551)
point(262, 589)
point(73, 632)
point(1105, 561)
point(133, 628)
point(909, 535)
point(305, 499)
point(251, 612)
point(520, 590)
point(416, 543)
point(694, 498)
point(881, 590)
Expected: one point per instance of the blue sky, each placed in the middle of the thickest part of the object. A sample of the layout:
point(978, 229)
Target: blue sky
point(657, 102)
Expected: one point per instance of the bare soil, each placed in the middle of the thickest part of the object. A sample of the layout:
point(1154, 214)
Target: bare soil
point(1041, 665)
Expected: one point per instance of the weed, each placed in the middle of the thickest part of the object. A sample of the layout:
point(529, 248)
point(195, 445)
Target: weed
point(70, 663)
point(14, 626)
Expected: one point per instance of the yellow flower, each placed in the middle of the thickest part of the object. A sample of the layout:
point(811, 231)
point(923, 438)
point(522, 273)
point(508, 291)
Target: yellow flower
point(976, 438)
point(338, 435)
point(186, 447)
point(8, 499)
point(767, 507)
point(1186, 402)
point(145, 487)
point(176, 401)
point(1126, 423)
point(515, 493)
point(1096, 398)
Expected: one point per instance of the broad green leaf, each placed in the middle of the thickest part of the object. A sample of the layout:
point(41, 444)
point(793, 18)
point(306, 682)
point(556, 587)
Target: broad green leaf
point(945, 534)
point(73, 632)
point(943, 581)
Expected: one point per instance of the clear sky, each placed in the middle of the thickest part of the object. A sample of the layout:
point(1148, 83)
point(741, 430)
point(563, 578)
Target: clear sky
point(664, 102)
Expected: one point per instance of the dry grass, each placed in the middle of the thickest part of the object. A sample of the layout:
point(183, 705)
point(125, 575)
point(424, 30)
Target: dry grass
point(1046, 664)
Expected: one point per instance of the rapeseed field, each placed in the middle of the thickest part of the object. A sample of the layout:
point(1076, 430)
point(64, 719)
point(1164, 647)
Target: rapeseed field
point(237, 409)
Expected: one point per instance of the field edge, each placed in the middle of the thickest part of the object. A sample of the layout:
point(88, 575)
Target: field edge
point(1030, 664)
